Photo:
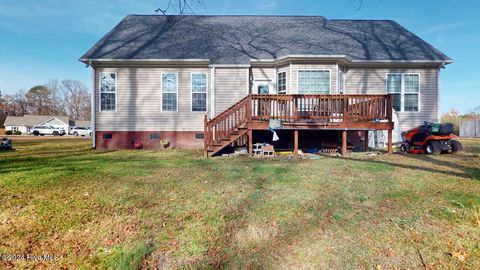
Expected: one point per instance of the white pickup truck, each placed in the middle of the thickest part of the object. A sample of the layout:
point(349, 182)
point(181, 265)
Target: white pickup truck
point(47, 130)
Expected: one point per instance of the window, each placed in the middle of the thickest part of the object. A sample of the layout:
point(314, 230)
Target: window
point(14, 129)
point(394, 87)
point(154, 136)
point(169, 92)
point(199, 92)
point(282, 83)
point(313, 81)
point(405, 89)
point(107, 136)
point(199, 136)
point(108, 89)
point(411, 89)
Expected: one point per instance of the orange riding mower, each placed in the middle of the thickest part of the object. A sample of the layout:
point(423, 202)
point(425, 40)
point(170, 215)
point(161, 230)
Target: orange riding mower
point(432, 139)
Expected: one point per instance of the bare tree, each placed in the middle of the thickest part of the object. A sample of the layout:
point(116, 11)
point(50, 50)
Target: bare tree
point(180, 7)
point(76, 99)
point(17, 103)
point(39, 100)
point(475, 111)
point(57, 105)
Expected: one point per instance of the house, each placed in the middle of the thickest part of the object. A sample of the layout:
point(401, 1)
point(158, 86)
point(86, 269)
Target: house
point(26, 122)
point(218, 81)
point(79, 123)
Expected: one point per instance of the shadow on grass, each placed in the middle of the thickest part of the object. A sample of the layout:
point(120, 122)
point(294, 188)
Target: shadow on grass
point(228, 253)
point(468, 172)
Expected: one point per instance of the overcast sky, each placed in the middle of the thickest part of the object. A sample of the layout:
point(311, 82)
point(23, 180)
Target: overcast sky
point(43, 39)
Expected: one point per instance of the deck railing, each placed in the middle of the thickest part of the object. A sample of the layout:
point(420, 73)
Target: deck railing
point(320, 107)
point(291, 108)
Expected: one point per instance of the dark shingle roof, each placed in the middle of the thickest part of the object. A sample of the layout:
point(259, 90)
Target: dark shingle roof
point(237, 39)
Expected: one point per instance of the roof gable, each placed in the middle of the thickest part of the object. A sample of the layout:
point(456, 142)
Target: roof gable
point(238, 39)
point(32, 120)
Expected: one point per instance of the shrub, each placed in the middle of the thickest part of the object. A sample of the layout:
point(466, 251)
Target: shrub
point(18, 132)
point(8, 132)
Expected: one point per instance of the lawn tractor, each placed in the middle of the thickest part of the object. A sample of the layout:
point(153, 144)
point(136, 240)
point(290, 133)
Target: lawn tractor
point(431, 139)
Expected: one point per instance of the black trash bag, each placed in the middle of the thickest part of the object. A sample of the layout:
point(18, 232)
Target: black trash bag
point(5, 144)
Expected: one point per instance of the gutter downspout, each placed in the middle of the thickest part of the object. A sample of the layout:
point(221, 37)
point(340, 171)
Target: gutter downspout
point(439, 114)
point(212, 92)
point(338, 80)
point(93, 109)
point(290, 79)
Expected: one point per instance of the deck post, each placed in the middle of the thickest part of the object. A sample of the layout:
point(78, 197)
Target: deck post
point(250, 143)
point(390, 148)
point(295, 142)
point(205, 136)
point(366, 140)
point(344, 143)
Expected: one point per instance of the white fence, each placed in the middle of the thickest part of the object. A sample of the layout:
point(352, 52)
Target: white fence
point(470, 129)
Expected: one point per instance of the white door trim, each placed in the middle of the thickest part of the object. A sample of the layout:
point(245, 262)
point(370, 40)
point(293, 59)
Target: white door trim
point(271, 88)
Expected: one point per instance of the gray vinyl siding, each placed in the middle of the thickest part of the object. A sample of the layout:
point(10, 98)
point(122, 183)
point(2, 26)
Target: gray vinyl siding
point(139, 94)
point(139, 98)
point(264, 74)
point(373, 81)
point(231, 85)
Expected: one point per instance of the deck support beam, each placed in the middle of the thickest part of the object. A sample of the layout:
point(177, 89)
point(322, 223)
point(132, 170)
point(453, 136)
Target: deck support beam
point(366, 140)
point(390, 148)
point(344, 143)
point(295, 142)
point(250, 142)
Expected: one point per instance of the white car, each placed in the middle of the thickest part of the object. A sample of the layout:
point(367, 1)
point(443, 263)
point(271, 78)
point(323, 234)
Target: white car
point(47, 130)
point(81, 131)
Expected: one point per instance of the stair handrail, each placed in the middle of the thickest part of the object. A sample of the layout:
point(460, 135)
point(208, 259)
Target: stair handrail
point(221, 126)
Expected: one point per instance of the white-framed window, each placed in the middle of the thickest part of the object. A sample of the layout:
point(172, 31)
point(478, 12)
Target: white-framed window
point(282, 82)
point(199, 92)
point(108, 91)
point(313, 81)
point(14, 129)
point(405, 88)
point(169, 92)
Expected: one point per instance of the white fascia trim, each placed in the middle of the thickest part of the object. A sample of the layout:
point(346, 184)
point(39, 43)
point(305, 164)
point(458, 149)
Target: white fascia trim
point(297, 56)
point(230, 65)
point(348, 59)
point(143, 60)
point(50, 119)
point(403, 61)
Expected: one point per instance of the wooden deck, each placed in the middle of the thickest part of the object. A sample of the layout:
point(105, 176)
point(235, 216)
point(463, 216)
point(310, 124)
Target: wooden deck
point(235, 125)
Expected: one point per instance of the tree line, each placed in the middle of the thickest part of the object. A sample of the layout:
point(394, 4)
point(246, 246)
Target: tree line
point(63, 98)
point(454, 117)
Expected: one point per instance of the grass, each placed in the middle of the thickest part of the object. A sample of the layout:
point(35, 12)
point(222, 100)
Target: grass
point(177, 210)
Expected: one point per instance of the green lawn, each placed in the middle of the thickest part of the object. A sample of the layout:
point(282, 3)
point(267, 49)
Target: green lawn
point(176, 209)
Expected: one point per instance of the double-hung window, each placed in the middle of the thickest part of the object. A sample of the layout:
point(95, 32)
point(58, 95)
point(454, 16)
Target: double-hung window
point(169, 92)
point(313, 81)
point(282, 83)
point(108, 91)
point(405, 89)
point(411, 90)
point(199, 92)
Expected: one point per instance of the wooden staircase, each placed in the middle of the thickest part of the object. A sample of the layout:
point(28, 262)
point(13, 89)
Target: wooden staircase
point(228, 128)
